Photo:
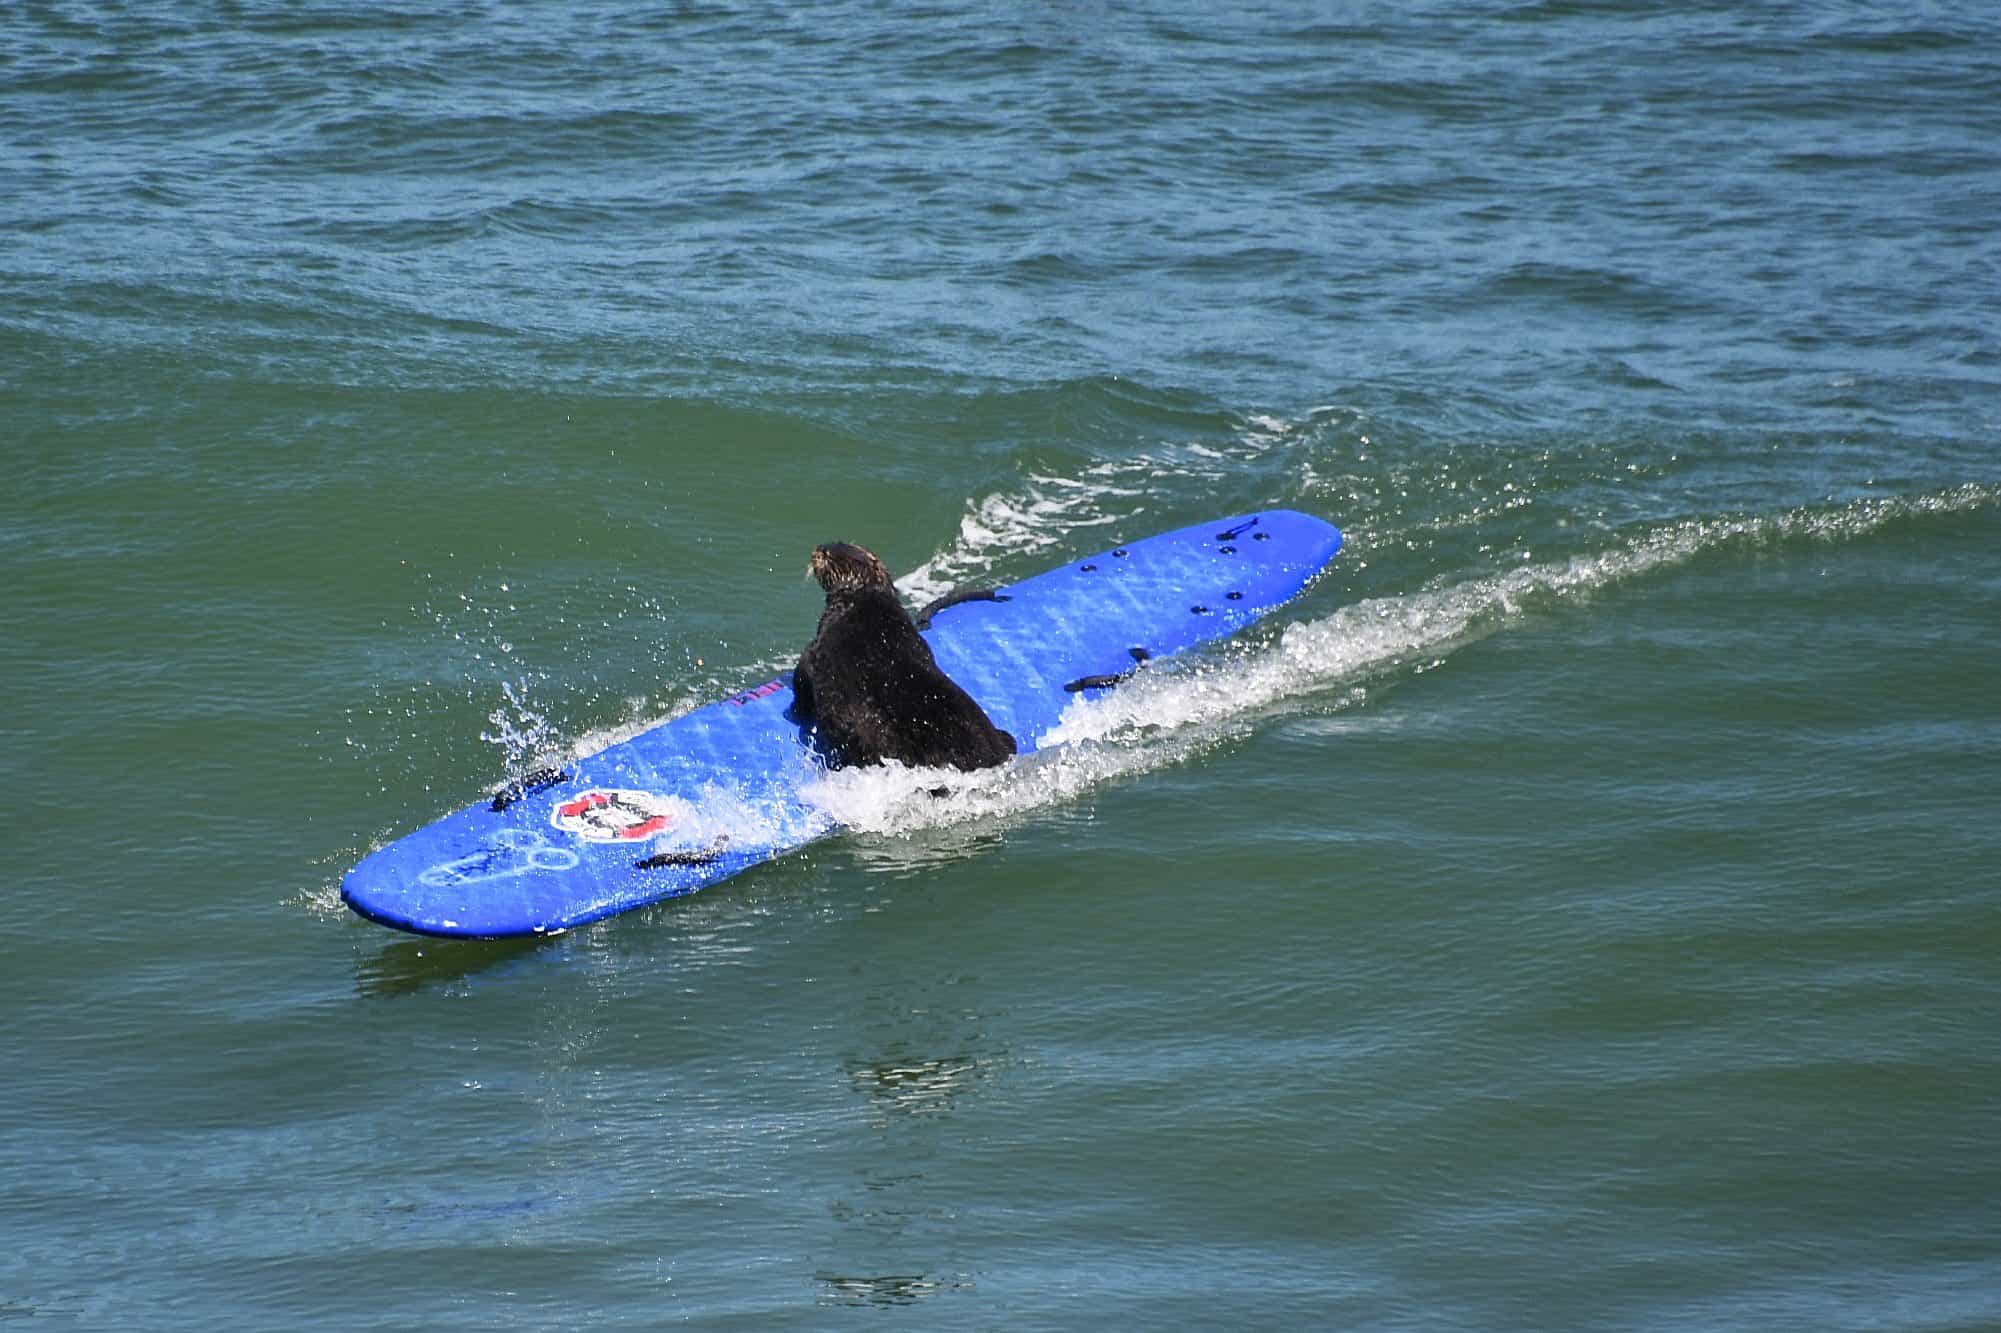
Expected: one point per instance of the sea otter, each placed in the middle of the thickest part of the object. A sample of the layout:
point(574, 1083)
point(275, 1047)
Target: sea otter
point(868, 686)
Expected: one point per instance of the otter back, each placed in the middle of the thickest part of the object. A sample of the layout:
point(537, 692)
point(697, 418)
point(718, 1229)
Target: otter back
point(711, 793)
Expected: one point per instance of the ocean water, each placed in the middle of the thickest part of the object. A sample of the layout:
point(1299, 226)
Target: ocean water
point(1581, 910)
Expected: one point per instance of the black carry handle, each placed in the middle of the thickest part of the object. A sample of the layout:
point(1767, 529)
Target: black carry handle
point(1140, 658)
point(1231, 534)
point(708, 856)
point(959, 598)
point(521, 786)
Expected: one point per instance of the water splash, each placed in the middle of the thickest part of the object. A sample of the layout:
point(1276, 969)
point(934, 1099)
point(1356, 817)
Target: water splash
point(521, 730)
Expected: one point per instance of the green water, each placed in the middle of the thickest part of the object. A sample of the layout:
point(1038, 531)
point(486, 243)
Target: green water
point(1579, 911)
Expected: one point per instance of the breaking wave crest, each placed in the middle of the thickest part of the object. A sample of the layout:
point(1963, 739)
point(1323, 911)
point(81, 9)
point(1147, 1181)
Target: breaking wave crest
point(1038, 517)
point(1048, 510)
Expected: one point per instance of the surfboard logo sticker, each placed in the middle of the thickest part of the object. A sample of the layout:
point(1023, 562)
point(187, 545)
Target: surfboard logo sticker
point(613, 815)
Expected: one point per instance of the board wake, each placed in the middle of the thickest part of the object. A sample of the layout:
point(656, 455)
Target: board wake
point(709, 794)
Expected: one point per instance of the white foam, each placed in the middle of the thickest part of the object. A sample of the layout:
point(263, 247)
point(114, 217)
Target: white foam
point(723, 814)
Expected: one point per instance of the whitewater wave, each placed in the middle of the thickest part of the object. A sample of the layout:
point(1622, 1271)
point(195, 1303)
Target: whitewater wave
point(1177, 710)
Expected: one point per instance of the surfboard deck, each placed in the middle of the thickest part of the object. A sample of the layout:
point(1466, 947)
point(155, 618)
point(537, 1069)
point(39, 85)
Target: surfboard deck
point(707, 795)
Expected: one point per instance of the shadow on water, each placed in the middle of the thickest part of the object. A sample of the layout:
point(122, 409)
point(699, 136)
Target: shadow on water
point(407, 966)
point(898, 1084)
point(890, 1289)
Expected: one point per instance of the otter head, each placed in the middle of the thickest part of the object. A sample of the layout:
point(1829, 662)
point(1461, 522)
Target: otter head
point(844, 567)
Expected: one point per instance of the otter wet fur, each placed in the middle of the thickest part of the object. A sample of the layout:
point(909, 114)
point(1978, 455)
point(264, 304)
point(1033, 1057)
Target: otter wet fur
point(869, 686)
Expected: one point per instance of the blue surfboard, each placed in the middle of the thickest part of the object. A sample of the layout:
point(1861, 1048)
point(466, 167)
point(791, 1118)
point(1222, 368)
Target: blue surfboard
point(706, 795)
